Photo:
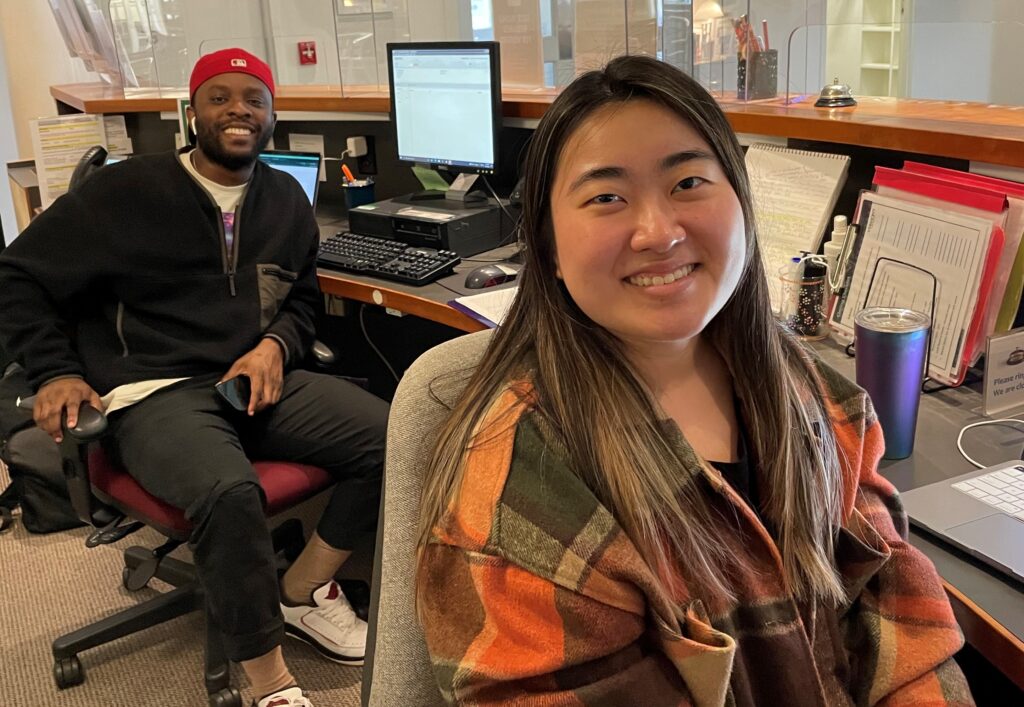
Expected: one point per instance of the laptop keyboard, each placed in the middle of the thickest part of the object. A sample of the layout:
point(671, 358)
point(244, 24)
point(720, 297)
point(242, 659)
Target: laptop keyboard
point(1003, 489)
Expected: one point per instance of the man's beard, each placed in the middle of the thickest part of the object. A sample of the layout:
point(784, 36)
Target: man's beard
point(207, 140)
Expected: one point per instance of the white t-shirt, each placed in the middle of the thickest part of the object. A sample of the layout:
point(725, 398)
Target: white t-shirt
point(227, 199)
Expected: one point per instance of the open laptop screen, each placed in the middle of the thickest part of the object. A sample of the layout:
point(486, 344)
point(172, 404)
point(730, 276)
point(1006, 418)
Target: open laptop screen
point(304, 166)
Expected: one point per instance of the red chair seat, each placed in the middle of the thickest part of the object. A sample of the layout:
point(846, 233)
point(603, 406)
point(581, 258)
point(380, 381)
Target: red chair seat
point(284, 484)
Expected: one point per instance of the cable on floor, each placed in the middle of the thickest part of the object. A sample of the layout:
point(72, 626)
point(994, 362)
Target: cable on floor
point(362, 325)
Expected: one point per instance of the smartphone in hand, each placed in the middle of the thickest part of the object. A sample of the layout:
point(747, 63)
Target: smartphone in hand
point(236, 391)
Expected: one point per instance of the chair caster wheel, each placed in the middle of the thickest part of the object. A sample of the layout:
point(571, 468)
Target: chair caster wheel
point(228, 697)
point(67, 672)
point(135, 579)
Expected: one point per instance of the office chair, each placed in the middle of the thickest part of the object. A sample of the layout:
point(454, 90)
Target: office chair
point(93, 158)
point(397, 669)
point(105, 496)
point(108, 498)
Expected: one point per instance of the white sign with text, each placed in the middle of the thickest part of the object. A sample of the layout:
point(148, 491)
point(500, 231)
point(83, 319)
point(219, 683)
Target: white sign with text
point(1004, 372)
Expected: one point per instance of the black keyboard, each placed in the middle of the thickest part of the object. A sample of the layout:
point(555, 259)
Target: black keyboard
point(386, 259)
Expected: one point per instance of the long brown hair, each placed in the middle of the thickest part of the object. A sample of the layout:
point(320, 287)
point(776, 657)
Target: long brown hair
point(588, 392)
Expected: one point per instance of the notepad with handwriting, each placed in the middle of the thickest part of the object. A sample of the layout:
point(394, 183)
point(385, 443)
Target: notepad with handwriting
point(794, 194)
point(488, 308)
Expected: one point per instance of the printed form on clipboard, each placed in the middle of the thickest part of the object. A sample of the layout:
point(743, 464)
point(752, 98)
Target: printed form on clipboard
point(956, 248)
point(795, 192)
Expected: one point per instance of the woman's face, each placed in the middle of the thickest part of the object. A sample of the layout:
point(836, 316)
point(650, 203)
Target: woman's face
point(649, 234)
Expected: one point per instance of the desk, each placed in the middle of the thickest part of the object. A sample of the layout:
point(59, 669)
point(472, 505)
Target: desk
point(429, 301)
point(988, 606)
point(970, 131)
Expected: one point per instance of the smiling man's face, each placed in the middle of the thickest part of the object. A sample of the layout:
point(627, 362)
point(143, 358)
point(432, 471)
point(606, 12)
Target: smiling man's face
point(234, 119)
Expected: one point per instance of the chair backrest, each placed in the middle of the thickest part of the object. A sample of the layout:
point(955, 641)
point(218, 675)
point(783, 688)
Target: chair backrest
point(398, 668)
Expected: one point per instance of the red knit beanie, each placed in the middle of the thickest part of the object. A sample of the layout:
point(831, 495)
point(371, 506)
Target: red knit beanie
point(228, 61)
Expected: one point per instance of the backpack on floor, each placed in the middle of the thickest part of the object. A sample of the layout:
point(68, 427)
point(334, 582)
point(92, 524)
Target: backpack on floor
point(34, 463)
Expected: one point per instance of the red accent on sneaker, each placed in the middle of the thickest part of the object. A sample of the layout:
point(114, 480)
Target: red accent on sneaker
point(334, 592)
point(279, 703)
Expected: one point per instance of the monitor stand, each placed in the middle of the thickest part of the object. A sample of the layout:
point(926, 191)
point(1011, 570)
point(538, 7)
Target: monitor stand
point(462, 189)
point(460, 192)
point(427, 195)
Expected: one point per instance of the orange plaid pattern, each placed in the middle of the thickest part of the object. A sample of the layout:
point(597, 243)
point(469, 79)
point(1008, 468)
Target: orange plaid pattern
point(536, 596)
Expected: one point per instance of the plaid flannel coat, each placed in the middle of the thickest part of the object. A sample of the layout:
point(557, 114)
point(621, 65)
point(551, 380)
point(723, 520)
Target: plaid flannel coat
point(536, 596)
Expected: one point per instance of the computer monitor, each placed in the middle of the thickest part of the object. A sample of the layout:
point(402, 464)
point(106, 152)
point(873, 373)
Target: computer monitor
point(446, 104)
point(304, 166)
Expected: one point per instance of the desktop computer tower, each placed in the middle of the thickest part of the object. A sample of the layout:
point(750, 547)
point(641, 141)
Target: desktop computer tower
point(439, 224)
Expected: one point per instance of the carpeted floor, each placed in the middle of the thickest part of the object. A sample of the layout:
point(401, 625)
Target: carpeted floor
point(52, 584)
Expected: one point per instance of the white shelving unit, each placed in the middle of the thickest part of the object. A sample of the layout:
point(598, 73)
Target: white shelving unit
point(866, 40)
point(880, 47)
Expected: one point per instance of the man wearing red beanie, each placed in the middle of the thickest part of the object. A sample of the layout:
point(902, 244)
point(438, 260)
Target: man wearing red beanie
point(177, 271)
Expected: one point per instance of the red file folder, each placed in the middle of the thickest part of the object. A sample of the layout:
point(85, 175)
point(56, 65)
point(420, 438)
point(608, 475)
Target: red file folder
point(968, 196)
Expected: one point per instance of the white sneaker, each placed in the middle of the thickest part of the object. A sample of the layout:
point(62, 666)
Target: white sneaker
point(331, 626)
point(292, 697)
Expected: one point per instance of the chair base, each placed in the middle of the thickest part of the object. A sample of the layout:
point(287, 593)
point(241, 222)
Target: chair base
point(187, 596)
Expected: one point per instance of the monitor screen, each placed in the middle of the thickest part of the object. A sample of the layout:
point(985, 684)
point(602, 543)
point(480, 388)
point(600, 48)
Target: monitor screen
point(446, 103)
point(304, 166)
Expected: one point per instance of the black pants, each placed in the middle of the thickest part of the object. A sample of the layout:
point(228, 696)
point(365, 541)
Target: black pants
point(188, 447)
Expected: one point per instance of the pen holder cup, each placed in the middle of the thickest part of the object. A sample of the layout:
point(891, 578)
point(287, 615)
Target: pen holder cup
point(803, 305)
point(358, 192)
point(758, 75)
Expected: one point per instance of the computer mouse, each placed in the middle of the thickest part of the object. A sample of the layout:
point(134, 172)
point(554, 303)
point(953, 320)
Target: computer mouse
point(490, 275)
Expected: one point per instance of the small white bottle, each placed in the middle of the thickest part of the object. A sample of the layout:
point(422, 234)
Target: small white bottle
point(834, 247)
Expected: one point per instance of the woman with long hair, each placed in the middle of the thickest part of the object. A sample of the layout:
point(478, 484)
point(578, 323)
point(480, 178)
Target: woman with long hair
point(648, 492)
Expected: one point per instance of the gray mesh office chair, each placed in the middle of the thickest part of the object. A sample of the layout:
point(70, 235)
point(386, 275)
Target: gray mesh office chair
point(397, 668)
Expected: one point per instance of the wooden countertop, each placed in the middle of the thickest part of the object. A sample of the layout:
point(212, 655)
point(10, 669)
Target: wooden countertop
point(971, 131)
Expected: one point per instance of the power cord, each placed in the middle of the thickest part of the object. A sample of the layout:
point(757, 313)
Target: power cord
point(495, 195)
point(362, 325)
point(452, 289)
point(960, 437)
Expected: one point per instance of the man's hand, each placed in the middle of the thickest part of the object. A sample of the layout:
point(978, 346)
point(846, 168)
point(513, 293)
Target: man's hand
point(264, 366)
point(59, 395)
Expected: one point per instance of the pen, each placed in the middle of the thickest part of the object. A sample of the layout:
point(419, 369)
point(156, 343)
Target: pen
point(348, 173)
point(764, 31)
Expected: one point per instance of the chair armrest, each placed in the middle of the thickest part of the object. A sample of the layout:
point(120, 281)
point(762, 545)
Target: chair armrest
point(92, 424)
point(74, 452)
point(323, 355)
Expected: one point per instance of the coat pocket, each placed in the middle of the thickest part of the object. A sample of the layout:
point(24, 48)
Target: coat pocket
point(702, 654)
point(275, 283)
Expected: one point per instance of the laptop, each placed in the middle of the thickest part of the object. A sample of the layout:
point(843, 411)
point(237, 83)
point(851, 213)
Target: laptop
point(304, 166)
point(981, 512)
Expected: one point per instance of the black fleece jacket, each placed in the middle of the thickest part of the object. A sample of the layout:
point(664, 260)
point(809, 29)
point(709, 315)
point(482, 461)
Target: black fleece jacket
point(133, 266)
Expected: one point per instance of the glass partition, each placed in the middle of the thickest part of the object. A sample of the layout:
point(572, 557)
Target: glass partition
point(716, 49)
point(900, 60)
point(738, 49)
point(363, 30)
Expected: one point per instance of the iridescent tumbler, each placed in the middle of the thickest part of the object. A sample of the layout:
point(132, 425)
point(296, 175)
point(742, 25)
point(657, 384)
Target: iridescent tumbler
point(892, 347)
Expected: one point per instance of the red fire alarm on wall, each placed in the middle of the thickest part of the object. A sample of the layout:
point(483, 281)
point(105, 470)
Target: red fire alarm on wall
point(307, 52)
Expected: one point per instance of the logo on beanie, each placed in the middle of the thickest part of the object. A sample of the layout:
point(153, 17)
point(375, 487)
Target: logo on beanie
point(239, 63)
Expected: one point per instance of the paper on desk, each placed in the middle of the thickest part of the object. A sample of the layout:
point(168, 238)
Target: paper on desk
point(118, 142)
point(950, 245)
point(489, 308)
point(429, 178)
point(59, 144)
point(438, 216)
point(298, 142)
